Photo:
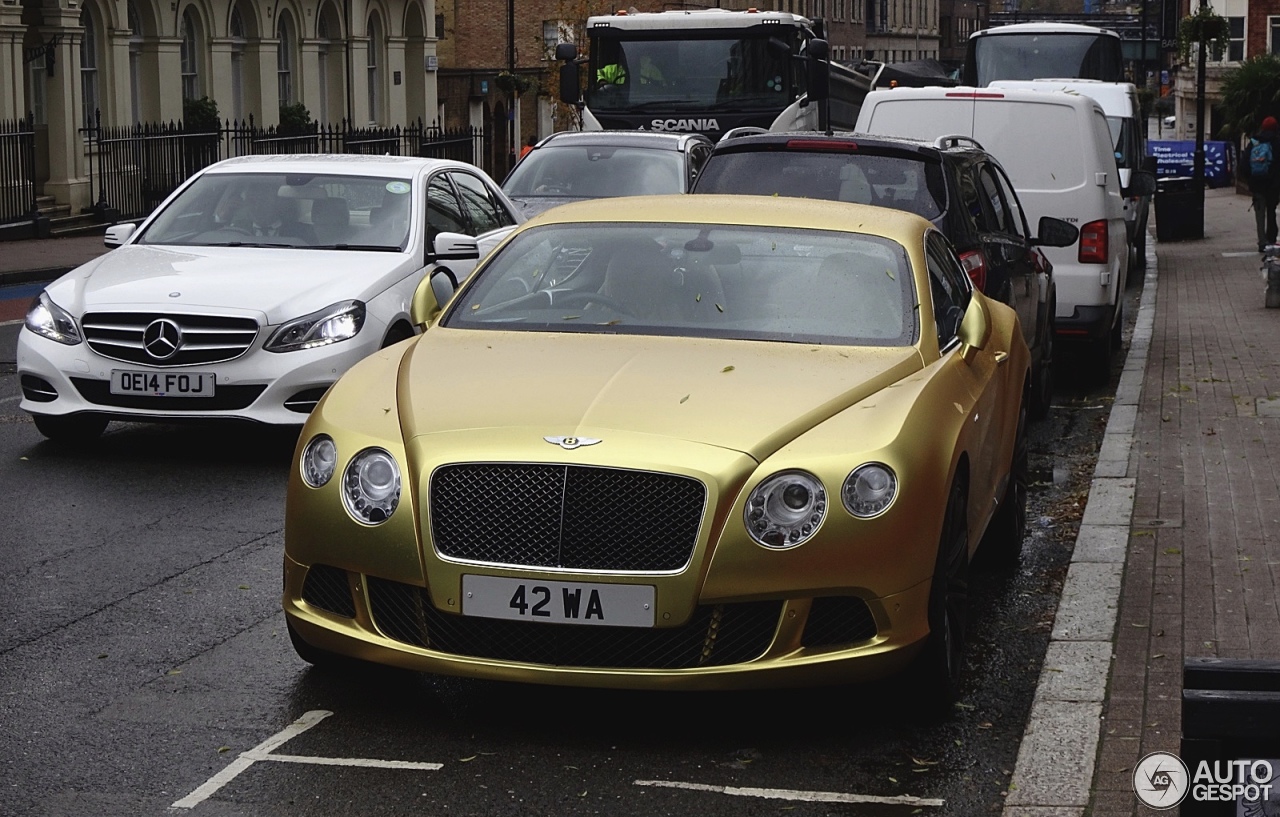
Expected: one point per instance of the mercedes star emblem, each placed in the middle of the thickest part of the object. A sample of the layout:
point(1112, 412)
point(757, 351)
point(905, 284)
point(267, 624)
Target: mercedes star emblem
point(162, 338)
point(570, 443)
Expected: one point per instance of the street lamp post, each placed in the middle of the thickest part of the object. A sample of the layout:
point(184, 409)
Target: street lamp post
point(514, 91)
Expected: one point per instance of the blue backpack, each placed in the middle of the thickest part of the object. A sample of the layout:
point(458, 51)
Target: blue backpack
point(1260, 157)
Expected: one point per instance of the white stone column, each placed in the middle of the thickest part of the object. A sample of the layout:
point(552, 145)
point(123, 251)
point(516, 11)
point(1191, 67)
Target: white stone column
point(262, 89)
point(67, 180)
point(359, 78)
point(396, 107)
point(166, 84)
point(13, 99)
point(114, 87)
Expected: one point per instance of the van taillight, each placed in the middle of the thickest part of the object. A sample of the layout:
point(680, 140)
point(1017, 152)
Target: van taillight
point(975, 263)
point(1093, 243)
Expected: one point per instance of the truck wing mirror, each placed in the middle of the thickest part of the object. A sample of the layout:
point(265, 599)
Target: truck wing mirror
point(819, 70)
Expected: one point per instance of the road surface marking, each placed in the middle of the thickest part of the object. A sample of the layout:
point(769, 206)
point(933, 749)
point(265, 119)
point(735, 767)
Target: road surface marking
point(263, 752)
point(789, 794)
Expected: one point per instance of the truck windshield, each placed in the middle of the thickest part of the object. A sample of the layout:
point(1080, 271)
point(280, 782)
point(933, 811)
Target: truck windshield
point(736, 73)
point(1042, 55)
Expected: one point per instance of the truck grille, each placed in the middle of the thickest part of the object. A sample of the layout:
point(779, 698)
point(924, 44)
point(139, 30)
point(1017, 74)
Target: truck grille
point(716, 635)
point(565, 516)
point(200, 339)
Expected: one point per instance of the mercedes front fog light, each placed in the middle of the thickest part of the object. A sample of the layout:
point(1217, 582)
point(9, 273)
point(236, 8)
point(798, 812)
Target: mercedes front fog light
point(371, 486)
point(786, 509)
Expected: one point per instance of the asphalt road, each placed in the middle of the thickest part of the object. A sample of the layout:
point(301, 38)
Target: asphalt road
point(145, 668)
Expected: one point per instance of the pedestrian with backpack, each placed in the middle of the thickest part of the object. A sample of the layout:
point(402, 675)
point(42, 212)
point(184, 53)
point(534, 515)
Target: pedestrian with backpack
point(1262, 168)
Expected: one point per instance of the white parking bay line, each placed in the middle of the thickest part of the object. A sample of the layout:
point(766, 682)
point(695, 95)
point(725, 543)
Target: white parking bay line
point(368, 763)
point(263, 752)
point(803, 796)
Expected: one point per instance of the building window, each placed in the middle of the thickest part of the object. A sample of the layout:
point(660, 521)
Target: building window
point(284, 57)
point(89, 66)
point(135, 63)
point(238, 42)
point(190, 56)
point(1235, 49)
point(554, 32)
point(372, 67)
point(1273, 35)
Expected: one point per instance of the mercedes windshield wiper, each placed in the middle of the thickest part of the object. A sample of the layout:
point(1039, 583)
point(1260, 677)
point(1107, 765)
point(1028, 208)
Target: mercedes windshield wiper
point(360, 247)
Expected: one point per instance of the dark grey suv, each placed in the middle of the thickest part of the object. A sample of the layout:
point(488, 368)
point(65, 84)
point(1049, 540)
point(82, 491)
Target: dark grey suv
point(576, 165)
point(952, 182)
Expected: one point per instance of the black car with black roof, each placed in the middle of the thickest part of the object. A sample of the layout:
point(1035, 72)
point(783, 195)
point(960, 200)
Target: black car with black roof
point(952, 182)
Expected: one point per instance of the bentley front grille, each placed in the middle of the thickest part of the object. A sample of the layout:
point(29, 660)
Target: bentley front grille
point(159, 339)
point(716, 636)
point(565, 516)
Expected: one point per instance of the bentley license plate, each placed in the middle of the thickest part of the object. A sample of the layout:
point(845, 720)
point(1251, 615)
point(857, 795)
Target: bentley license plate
point(618, 605)
point(163, 384)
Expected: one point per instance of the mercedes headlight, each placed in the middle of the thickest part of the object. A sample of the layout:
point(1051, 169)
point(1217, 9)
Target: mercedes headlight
point(319, 459)
point(339, 322)
point(786, 509)
point(49, 320)
point(869, 490)
point(371, 486)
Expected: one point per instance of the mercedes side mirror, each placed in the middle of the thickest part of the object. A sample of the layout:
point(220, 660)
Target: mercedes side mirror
point(1141, 183)
point(117, 234)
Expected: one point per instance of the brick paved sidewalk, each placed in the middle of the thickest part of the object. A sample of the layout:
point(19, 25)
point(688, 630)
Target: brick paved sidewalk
point(1203, 561)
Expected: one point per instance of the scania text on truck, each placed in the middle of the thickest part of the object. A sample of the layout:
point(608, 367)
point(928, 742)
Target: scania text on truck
point(709, 71)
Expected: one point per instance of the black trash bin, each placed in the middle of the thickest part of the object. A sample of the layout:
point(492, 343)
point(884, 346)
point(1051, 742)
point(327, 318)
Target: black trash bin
point(1179, 204)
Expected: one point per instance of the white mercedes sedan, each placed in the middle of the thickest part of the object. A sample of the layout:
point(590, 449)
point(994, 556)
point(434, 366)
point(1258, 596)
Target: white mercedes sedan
point(250, 290)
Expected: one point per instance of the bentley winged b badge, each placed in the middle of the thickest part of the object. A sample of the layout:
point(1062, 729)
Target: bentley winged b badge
point(570, 443)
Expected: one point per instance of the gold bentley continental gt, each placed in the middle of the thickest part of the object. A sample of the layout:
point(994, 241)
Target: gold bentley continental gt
point(670, 442)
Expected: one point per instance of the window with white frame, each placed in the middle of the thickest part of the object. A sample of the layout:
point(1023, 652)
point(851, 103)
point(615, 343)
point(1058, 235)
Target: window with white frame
point(1235, 49)
point(326, 44)
point(238, 42)
point(372, 67)
point(285, 43)
point(135, 63)
point(1273, 35)
point(190, 55)
point(89, 65)
point(554, 32)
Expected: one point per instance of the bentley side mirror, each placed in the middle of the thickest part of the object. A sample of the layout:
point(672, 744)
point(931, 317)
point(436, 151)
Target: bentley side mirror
point(975, 328)
point(429, 298)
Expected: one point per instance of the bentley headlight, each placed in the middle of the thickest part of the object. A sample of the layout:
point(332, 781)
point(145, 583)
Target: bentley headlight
point(869, 490)
point(371, 486)
point(339, 322)
point(49, 320)
point(786, 509)
point(319, 459)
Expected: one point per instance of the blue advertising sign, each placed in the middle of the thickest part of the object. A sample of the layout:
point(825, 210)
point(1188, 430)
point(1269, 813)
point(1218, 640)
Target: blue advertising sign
point(1178, 158)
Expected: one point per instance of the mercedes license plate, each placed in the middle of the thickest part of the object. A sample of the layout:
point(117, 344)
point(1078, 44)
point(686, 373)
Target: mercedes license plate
point(163, 384)
point(618, 605)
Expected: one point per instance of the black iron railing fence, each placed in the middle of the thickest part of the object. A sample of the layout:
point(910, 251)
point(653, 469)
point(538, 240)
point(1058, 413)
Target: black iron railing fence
point(17, 170)
point(133, 168)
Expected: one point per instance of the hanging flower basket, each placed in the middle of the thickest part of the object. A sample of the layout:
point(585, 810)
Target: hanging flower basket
point(1205, 26)
point(512, 83)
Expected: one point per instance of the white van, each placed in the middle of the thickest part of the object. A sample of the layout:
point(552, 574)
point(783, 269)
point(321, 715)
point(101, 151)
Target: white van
point(1058, 151)
point(1119, 101)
